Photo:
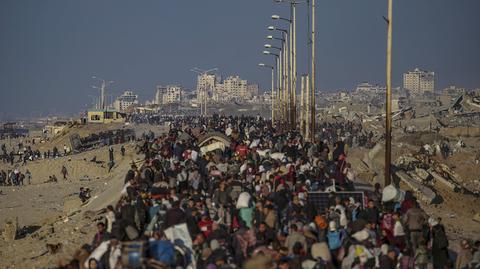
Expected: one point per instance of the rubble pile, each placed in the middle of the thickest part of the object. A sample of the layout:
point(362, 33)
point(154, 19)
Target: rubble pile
point(429, 172)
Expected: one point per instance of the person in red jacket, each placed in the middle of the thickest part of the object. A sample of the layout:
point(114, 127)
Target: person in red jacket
point(205, 225)
point(242, 150)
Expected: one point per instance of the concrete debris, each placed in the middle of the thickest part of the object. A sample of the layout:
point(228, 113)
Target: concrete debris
point(408, 162)
point(444, 168)
point(54, 248)
point(10, 229)
point(417, 178)
point(425, 193)
point(423, 174)
point(43, 233)
point(410, 129)
point(476, 217)
point(427, 171)
point(445, 182)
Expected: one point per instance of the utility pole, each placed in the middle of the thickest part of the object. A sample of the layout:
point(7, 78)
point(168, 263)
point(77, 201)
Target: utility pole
point(312, 88)
point(294, 64)
point(302, 106)
point(205, 99)
point(277, 92)
point(279, 88)
point(388, 101)
point(307, 117)
point(103, 89)
point(290, 69)
point(285, 82)
point(273, 96)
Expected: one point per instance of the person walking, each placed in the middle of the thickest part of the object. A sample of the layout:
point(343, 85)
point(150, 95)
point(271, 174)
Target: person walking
point(414, 220)
point(439, 245)
point(28, 175)
point(64, 172)
point(111, 163)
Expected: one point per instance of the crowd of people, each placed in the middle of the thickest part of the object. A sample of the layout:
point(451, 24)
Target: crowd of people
point(247, 204)
point(15, 177)
point(105, 138)
point(24, 153)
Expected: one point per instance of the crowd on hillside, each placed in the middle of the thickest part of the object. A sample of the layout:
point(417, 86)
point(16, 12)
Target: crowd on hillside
point(105, 138)
point(15, 177)
point(248, 204)
point(24, 154)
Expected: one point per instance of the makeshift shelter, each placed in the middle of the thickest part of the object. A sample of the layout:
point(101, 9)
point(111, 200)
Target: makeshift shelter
point(212, 141)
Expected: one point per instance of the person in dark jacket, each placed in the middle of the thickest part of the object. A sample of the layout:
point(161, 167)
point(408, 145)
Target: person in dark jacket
point(175, 215)
point(101, 235)
point(264, 235)
point(389, 261)
point(370, 214)
point(439, 242)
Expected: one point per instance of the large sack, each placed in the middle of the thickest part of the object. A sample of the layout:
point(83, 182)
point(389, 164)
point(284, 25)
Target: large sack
point(131, 232)
point(98, 252)
point(254, 143)
point(389, 193)
point(243, 200)
point(263, 153)
point(179, 232)
point(212, 147)
point(278, 156)
point(163, 251)
point(243, 168)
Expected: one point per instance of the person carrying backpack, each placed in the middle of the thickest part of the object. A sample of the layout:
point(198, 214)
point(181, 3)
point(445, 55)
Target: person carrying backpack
point(335, 238)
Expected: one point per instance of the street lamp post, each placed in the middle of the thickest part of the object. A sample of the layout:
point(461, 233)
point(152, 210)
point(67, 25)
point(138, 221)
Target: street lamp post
point(293, 60)
point(302, 105)
point(286, 90)
point(285, 77)
point(279, 78)
point(273, 90)
point(307, 106)
point(102, 88)
point(278, 65)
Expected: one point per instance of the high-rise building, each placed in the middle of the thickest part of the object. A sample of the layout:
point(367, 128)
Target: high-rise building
point(205, 85)
point(125, 100)
point(168, 94)
point(235, 87)
point(419, 81)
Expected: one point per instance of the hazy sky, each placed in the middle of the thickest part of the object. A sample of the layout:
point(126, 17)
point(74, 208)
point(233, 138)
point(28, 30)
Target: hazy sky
point(49, 49)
